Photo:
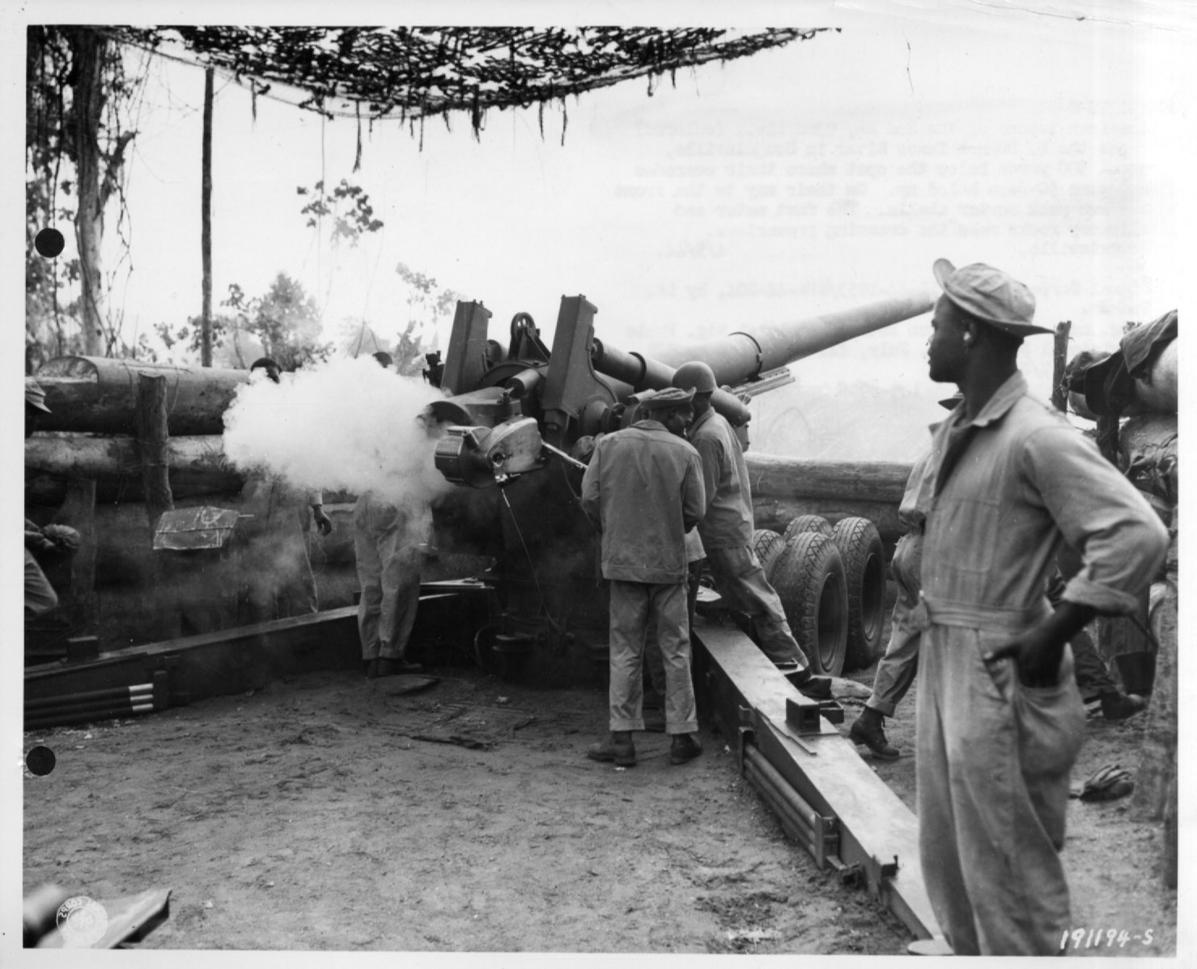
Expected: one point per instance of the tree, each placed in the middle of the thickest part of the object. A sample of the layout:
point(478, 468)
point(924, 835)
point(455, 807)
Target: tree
point(283, 324)
point(428, 303)
point(77, 94)
point(285, 321)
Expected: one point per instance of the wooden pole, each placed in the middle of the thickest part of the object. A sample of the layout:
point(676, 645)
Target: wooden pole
point(206, 225)
point(1059, 363)
point(87, 54)
point(151, 438)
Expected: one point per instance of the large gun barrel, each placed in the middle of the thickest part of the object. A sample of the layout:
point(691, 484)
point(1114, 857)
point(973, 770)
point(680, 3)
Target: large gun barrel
point(744, 356)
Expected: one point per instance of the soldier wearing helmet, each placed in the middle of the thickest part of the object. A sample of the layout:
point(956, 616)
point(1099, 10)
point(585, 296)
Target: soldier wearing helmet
point(726, 528)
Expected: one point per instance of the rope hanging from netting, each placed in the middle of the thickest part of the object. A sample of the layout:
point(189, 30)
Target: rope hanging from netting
point(412, 73)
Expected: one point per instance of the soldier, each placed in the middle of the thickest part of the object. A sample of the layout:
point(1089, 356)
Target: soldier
point(643, 489)
point(726, 531)
point(1000, 719)
point(387, 540)
point(276, 566)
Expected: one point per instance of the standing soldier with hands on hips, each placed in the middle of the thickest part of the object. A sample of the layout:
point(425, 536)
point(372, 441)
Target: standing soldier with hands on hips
point(1000, 719)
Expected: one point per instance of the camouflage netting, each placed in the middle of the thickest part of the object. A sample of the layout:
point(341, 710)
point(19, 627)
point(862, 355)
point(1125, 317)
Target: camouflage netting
point(412, 73)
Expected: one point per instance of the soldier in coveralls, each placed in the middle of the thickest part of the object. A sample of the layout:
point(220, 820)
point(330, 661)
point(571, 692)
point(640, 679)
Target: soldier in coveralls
point(1000, 718)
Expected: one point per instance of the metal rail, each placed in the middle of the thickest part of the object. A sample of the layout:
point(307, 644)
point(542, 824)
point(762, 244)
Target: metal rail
point(826, 797)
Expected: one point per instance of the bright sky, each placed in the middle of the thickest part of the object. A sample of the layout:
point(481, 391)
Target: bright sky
point(819, 176)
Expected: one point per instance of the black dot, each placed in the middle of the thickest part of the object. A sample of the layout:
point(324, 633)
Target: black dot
point(49, 243)
point(40, 760)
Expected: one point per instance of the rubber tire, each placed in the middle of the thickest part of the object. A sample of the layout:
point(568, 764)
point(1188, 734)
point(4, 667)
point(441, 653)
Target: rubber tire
point(809, 578)
point(807, 523)
point(864, 571)
point(767, 546)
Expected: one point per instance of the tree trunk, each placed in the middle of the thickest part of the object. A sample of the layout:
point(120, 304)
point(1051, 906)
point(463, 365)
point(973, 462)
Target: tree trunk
point(206, 225)
point(99, 394)
point(151, 441)
point(772, 476)
point(87, 49)
point(196, 466)
point(1059, 362)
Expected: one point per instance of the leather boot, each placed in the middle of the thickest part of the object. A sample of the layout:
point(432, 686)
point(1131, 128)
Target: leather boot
point(868, 730)
point(618, 747)
point(1119, 706)
point(815, 687)
point(393, 667)
point(684, 747)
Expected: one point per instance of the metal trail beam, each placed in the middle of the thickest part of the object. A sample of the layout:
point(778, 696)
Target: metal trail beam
point(826, 796)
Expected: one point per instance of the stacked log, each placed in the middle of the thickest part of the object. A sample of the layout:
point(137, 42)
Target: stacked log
point(90, 436)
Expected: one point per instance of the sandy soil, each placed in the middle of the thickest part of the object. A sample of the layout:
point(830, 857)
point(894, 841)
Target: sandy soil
point(329, 812)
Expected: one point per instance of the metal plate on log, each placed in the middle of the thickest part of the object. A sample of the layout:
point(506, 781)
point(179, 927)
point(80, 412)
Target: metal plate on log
point(184, 529)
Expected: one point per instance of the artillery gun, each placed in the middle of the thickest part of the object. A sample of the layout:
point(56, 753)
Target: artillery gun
point(520, 417)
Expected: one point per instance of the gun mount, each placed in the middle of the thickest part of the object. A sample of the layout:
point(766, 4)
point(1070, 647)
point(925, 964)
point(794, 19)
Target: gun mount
point(521, 416)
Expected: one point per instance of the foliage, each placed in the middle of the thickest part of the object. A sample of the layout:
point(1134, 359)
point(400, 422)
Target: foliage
point(428, 303)
point(412, 73)
point(283, 324)
point(347, 205)
point(53, 318)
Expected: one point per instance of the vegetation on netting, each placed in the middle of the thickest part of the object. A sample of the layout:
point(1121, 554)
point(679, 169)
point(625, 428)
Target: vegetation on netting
point(412, 73)
point(83, 96)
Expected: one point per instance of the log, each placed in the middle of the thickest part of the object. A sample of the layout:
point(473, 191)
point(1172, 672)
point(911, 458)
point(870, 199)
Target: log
point(196, 464)
point(776, 513)
point(152, 438)
point(99, 395)
point(777, 477)
point(1059, 394)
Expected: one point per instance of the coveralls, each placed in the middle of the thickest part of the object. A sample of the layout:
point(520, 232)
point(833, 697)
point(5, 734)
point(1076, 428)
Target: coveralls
point(40, 596)
point(993, 755)
point(275, 566)
point(387, 550)
point(643, 487)
point(726, 531)
point(898, 665)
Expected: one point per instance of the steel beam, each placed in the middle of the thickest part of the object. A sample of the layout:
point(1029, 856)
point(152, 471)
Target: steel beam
point(826, 796)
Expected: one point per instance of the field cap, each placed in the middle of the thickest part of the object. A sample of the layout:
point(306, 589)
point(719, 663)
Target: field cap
point(669, 397)
point(34, 395)
point(992, 296)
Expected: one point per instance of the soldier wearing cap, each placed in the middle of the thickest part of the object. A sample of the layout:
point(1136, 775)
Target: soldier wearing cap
point(727, 531)
point(1000, 718)
point(643, 489)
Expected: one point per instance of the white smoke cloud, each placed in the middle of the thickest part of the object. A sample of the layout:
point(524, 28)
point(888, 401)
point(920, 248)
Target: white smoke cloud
point(345, 425)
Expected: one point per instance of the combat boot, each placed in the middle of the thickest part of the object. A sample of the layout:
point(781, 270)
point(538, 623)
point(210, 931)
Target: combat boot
point(809, 685)
point(1119, 706)
point(618, 747)
point(868, 731)
point(684, 747)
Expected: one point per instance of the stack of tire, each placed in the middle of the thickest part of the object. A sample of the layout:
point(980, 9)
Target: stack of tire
point(831, 581)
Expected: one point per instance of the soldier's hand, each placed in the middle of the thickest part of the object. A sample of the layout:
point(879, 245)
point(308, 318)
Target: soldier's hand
point(1036, 654)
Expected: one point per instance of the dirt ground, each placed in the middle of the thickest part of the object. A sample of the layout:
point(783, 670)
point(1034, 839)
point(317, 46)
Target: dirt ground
point(331, 812)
